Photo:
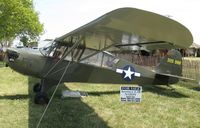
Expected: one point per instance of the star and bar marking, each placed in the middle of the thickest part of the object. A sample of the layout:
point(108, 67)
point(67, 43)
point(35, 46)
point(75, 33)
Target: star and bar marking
point(128, 73)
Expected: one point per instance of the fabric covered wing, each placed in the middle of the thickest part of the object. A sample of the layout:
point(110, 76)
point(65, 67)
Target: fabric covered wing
point(131, 26)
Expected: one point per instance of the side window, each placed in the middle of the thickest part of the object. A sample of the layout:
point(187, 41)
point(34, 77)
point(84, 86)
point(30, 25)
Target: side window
point(102, 59)
point(57, 52)
point(75, 54)
point(93, 60)
point(108, 60)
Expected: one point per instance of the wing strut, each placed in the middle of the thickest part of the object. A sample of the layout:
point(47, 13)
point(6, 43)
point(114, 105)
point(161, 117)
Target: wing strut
point(63, 57)
point(39, 122)
point(67, 66)
point(140, 44)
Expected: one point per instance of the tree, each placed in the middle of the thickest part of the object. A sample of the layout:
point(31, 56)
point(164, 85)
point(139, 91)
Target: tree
point(18, 19)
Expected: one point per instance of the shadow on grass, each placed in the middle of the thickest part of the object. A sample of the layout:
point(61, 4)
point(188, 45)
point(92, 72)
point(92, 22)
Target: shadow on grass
point(67, 113)
point(97, 93)
point(147, 88)
point(196, 88)
point(164, 91)
point(15, 97)
point(190, 85)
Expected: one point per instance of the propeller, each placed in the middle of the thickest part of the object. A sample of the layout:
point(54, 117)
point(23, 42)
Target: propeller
point(7, 54)
point(11, 55)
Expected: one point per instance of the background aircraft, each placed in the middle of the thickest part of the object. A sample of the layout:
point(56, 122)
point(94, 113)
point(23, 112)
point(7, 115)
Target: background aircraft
point(85, 54)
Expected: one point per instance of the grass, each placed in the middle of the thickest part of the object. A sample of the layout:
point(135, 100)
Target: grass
point(160, 106)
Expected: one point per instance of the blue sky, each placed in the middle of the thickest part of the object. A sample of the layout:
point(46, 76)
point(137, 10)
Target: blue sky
point(62, 16)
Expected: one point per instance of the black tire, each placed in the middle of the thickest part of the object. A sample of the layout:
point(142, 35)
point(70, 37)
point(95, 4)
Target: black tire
point(37, 87)
point(41, 98)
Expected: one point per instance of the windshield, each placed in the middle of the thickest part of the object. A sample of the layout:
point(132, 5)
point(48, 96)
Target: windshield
point(47, 49)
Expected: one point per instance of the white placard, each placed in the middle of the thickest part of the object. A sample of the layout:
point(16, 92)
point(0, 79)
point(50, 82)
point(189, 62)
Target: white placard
point(131, 94)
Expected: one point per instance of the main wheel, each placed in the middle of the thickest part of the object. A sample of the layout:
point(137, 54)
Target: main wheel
point(37, 87)
point(41, 98)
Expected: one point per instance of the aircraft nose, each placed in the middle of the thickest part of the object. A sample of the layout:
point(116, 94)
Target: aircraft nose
point(12, 55)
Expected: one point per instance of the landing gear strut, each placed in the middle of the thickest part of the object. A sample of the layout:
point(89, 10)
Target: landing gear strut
point(41, 89)
point(41, 98)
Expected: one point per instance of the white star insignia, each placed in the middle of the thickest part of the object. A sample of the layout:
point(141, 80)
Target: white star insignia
point(128, 73)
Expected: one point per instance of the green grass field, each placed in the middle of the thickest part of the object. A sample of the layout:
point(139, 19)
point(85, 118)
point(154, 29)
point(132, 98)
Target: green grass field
point(160, 106)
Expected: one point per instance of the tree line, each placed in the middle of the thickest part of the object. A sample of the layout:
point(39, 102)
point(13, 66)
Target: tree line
point(19, 19)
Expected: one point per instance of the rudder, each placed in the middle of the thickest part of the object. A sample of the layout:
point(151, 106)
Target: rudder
point(171, 63)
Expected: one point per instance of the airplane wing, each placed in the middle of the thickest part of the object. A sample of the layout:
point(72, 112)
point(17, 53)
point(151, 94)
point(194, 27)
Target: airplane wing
point(128, 27)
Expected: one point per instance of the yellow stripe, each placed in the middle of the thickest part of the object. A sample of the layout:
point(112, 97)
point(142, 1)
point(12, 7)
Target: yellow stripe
point(178, 62)
point(173, 61)
point(169, 60)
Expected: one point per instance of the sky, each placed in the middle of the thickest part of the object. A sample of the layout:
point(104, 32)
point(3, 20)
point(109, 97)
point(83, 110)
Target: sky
point(62, 16)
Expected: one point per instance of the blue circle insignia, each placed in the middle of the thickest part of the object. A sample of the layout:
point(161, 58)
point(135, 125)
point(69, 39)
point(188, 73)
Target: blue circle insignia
point(128, 73)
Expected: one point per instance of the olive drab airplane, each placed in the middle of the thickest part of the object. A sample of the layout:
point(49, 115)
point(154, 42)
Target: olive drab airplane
point(85, 54)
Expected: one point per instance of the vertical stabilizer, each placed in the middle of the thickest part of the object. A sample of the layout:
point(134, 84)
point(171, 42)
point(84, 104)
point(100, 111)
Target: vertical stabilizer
point(171, 64)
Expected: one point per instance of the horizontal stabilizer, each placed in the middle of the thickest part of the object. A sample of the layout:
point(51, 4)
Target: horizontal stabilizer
point(180, 78)
point(175, 76)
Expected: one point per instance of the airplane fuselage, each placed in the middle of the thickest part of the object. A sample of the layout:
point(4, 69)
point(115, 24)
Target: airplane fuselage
point(33, 63)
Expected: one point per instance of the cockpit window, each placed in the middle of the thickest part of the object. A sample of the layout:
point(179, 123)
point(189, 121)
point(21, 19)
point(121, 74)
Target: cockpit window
point(103, 59)
point(47, 49)
point(79, 54)
point(58, 51)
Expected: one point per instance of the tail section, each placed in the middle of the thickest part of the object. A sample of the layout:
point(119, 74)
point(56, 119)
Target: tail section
point(171, 63)
point(169, 67)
